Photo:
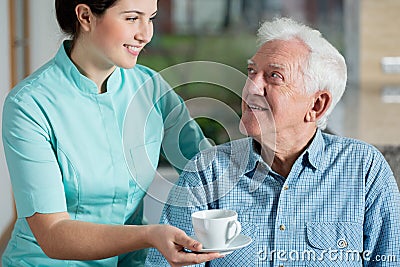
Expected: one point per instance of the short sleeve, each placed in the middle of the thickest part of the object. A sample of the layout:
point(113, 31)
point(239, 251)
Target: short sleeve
point(31, 159)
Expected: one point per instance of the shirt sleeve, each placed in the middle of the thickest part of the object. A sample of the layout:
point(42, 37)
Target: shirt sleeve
point(31, 160)
point(180, 129)
point(382, 217)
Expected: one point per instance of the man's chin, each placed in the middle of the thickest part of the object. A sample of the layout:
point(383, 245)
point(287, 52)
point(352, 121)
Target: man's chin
point(242, 128)
point(248, 130)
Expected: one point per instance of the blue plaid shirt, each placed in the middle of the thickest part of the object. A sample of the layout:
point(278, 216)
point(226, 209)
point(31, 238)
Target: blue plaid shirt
point(339, 205)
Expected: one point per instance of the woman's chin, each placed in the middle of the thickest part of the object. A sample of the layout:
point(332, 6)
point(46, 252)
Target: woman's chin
point(128, 65)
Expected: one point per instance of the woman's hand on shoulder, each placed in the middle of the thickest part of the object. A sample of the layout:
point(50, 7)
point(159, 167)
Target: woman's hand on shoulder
point(171, 241)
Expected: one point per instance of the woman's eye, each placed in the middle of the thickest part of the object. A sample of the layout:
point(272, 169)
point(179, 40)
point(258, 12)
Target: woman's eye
point(153, 18)
point(132, 19)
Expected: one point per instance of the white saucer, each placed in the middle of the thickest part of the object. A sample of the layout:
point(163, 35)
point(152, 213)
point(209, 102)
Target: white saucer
point(240, 241)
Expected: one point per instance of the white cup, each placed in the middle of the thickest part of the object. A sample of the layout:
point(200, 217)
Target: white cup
point(216, 228)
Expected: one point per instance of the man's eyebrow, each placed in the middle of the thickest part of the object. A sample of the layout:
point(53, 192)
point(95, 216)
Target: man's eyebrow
point(251, 62)
point(137, 12)
point(277, 66)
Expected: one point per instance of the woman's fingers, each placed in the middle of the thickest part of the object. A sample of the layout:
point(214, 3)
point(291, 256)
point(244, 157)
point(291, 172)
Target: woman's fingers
point(185, 241)
point(184, 258)
point(173, 244)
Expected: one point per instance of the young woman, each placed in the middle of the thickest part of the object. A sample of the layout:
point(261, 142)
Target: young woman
point(78, 202)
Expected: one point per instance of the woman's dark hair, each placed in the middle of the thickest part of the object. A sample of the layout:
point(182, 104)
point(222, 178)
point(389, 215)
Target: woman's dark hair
point(66, 17)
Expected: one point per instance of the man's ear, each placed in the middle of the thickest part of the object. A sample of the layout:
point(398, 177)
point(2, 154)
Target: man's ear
point(85, 16)
point(321, 102)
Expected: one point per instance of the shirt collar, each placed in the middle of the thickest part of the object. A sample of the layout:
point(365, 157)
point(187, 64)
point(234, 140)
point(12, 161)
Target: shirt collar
point(254, 155)
point(313, 154)
point(83, 83)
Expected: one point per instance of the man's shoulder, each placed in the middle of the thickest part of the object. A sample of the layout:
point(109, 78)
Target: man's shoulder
point(233, 153)
point(338, 142)
point(352, 149)
point(232, 148)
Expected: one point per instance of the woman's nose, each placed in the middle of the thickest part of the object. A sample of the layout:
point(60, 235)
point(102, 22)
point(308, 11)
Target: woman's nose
point(145, 32)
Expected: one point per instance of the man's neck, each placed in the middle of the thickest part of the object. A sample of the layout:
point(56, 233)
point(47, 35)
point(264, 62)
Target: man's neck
point(285, 150)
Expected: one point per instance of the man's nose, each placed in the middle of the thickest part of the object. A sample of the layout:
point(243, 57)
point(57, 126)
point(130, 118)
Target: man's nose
point(254, 86)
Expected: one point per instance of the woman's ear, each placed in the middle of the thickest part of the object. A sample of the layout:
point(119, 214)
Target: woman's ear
point(321, 102)
point(85, 16)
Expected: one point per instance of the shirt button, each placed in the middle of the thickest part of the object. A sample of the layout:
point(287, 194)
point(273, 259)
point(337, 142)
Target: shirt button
point(342, 243)
point(282, 227)
point(286, 187)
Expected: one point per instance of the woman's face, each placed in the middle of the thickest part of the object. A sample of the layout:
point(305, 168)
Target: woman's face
point(118, 36)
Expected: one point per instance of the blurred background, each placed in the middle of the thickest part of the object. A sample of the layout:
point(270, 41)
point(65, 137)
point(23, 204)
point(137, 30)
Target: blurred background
point(366, 32)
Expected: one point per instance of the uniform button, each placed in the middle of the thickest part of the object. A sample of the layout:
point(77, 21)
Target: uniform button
point(282, 227)
point(286, 187)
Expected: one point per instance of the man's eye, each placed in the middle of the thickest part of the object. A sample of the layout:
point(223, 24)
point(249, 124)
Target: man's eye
point(251, 71)
point(276, 75)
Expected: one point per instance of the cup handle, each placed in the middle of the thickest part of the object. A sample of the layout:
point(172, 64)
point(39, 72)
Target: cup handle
point(238, 228)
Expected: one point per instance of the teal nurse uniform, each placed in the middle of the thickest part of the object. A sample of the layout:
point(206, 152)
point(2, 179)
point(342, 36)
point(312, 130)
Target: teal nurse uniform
point(67, 149)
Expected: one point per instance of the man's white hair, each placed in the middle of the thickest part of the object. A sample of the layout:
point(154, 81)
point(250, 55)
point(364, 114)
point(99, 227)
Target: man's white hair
point(326, 69)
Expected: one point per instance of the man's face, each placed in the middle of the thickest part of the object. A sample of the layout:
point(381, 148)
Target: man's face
point(274, 98)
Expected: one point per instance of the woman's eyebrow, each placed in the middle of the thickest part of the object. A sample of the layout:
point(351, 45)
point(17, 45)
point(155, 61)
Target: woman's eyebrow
point(137, 12)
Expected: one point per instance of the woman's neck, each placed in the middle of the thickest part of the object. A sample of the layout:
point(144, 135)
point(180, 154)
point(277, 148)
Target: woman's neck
point(91, 65)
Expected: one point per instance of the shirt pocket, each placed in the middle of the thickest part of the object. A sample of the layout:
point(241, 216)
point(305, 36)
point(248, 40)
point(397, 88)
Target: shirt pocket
point(334, 244)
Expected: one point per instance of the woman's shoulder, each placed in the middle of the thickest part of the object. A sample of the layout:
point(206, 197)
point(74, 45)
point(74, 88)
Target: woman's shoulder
point(35, 82)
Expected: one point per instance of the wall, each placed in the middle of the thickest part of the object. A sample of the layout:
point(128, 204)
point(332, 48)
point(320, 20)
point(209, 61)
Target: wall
point(187, 18)
point(379, 37)
point(44, 41)
point(45, 35)
point(6, 206)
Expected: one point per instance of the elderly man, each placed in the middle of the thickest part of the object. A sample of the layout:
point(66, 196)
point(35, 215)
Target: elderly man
point(306, 198)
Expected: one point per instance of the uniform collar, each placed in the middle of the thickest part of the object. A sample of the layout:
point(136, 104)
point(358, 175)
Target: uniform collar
point(81, 82)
